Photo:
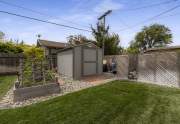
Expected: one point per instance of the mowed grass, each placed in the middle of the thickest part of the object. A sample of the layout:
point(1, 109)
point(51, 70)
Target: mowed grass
point(118, 102)
point(6, 82)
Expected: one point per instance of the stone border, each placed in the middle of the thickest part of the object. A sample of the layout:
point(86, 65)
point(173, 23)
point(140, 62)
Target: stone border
point(21, 94)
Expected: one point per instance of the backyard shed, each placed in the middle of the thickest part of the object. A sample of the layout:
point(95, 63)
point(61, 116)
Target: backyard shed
point(79, 61)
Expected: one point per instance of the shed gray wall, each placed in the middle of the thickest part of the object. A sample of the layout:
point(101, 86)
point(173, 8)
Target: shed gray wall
point(89, 54)
point(65, 63)
point(85, 61)
point(89, 61)
point(100, 61)
point(77, 63)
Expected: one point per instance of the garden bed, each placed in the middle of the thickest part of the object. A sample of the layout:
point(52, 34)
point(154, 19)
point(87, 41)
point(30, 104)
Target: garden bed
point(21, 94)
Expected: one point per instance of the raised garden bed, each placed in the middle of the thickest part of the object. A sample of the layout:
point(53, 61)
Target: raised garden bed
point(21, 94)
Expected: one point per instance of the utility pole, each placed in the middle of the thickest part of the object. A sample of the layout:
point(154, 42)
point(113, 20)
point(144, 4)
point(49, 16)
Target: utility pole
point(102, 20)
point(39, 36)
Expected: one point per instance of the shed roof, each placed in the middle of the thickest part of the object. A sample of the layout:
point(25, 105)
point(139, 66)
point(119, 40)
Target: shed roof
point(89, 44)
point(160, 49)
point(51, 44)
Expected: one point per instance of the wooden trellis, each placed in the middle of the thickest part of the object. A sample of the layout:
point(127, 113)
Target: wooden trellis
point(35, 72)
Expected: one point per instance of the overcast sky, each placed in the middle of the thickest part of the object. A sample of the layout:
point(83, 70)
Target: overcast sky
point(82, 14)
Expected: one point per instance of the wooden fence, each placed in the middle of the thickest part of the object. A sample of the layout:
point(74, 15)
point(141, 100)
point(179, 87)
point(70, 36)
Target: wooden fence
point(158, 68)
point(122, 62)
point(10, 63)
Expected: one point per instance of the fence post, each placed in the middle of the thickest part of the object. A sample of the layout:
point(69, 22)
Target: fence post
point(33, 70)
point(155, 64)
point(137, 66)
point(178, 64)
point(43, 71)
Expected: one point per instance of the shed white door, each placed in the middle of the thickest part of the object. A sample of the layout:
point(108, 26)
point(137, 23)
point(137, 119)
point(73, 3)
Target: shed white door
point(65, 63)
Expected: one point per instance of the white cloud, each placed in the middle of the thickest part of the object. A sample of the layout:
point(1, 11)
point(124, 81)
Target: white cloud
point(107, 5)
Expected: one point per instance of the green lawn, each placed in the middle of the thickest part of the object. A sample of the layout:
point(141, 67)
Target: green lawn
point(6, 82)
point(118, 102)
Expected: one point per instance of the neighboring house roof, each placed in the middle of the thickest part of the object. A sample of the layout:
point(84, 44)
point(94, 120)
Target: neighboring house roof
point(51, 44)
point(163, 49)
point(89, 44)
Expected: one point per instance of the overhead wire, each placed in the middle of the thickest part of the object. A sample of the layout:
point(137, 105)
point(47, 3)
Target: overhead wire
point(40, 13)
point(151, 5)
point(44, 21)
point(67, 26)
point(152, 18)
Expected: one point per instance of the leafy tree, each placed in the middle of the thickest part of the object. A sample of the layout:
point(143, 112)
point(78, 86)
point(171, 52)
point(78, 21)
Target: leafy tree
point(32, 52)
point(133, 48)
point(77, 39)
point(10, 47)
point(111, 41)
point(155, 35)
point(100, 33)
point(22, 42)
point(2, 35)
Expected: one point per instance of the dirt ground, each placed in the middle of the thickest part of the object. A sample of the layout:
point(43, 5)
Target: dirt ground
point(98, 78)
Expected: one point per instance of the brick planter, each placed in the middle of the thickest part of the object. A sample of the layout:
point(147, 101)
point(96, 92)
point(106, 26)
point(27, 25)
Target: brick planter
point(21, 94)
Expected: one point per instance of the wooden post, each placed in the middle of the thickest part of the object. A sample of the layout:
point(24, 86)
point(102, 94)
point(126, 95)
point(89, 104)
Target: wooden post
point(52, 64)
point(33, 71)
point(178, 64)
point(43, 71)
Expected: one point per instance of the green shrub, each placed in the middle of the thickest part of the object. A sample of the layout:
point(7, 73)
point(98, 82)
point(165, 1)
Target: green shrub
point(10, 47)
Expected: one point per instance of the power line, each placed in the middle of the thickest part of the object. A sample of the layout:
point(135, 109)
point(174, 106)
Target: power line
point(38, 12)
point(151, 5)
point(45, 21)
point(152, 18)
point(162, 13)
point(124, 23)
point(170, 15)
